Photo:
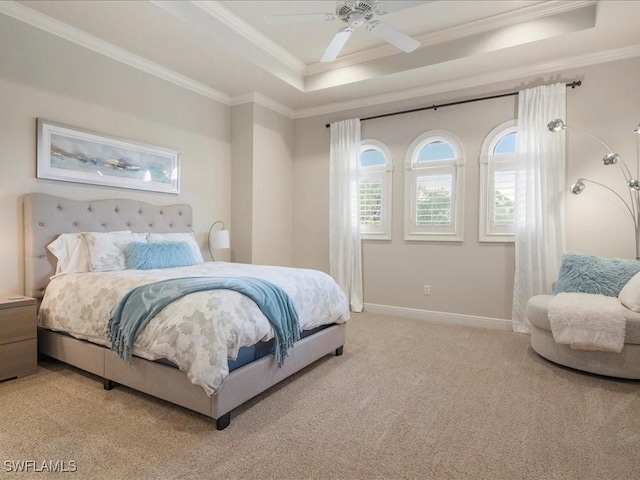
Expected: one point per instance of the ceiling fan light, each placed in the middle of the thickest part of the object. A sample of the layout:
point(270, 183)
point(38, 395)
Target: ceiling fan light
point(356, 19)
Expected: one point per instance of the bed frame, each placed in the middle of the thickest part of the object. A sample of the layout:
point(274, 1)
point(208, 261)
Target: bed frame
point(47, 216)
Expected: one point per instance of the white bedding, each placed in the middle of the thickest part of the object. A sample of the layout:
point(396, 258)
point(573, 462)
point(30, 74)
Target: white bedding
point(200, 331)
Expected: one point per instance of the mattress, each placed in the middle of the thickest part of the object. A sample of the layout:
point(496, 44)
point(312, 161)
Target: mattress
point(200, 332)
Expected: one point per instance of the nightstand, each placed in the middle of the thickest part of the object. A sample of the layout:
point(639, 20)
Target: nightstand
point(18, 344)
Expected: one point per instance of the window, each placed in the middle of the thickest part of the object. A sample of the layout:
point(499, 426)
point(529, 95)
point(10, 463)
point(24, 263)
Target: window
point(433, 188)
point(376, 170)
point(498, 184)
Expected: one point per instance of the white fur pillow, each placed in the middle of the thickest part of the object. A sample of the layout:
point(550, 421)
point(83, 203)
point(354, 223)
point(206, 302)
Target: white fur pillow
point(629, 296)
point(106, 249)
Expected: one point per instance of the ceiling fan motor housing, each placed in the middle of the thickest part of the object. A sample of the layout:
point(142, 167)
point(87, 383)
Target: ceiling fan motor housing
point(355, 14)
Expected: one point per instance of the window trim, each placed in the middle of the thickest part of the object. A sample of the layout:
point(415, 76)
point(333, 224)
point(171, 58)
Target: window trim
point(384, 172)
point(486, 231)
point(412, 168)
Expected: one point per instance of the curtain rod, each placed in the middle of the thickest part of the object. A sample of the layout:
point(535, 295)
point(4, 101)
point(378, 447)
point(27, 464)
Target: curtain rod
point(573, 84)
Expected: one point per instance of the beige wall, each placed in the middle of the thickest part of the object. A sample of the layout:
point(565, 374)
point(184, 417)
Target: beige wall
point(44, 76)
point(242, 183)
point(470, 277)
point(261, 186)
point(272, 194)
point(608, 106)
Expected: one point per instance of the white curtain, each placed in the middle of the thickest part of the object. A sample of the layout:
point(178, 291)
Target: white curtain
point(345, 257)
point(540, 177)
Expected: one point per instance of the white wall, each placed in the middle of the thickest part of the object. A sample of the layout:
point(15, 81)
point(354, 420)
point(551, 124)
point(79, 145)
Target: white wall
point(44, 76)
point(470, 277)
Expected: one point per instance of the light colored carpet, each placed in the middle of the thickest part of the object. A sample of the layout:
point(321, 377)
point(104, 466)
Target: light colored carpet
point(408, 399)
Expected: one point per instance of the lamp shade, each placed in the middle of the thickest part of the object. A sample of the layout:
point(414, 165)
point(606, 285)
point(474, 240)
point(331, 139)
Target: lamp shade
point(220, 239)
point(217, 239)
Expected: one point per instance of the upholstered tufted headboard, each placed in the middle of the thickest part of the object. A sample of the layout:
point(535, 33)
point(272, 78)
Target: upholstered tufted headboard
point(47, 216)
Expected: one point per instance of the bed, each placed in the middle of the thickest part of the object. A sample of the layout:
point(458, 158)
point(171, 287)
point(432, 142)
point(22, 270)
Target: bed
point(153, 372)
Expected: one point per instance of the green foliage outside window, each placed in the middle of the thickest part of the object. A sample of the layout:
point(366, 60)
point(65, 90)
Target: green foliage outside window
point(371, 202)
point(503, 210)
point(433, 206)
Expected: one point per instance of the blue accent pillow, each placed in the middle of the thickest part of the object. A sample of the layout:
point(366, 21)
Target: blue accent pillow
point(592, 274)
point(145, 256)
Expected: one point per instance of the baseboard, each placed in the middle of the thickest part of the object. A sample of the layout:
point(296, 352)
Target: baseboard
point(440, 317)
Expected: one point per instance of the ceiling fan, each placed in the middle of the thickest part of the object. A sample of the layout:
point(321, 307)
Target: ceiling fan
point(355, 13)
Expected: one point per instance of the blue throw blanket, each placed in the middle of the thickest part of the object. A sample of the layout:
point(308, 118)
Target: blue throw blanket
point(142, 303)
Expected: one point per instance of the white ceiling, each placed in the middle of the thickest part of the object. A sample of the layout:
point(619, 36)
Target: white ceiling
point(227, 51)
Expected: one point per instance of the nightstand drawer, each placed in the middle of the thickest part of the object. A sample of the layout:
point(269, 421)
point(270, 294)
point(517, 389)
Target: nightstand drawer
point(17, 324)
point(18, 359)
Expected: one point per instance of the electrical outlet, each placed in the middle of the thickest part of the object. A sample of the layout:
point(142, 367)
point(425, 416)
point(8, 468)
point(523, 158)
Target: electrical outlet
point(427, 289)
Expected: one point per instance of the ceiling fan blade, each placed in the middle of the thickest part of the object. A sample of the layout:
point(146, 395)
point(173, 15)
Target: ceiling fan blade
point(336, 44)
point(299, 18)
point(393, 36)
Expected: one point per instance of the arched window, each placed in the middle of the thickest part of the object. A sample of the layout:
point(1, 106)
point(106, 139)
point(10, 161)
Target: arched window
point(498, 184)
point(376, 170)
point(434, 187)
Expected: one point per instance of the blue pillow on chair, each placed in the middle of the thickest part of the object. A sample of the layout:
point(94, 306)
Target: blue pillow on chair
point(145, 256)
point(592, 274)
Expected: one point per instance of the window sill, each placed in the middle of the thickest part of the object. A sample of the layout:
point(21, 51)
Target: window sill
point(433, 237)
point(375, 236)
point(497, 239)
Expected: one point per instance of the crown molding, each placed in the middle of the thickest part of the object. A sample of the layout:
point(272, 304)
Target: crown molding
point(72, 34)
point(476, 27)
point(256, 97)
point(578, 61)
point(231, 20)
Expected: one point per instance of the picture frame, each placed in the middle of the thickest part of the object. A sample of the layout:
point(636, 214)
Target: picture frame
point(72, 154)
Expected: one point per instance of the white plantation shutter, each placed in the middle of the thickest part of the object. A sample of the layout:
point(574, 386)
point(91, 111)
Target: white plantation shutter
point(375, 170)
point(504, 190)
point(433, 200)
point(371, 202)
point(433, 188)
point(498, 184)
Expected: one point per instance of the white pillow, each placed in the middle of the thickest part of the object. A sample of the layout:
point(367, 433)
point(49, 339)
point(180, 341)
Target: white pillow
point(190, 238)
point(70, 249)
point(106, 249)
point(629, 296)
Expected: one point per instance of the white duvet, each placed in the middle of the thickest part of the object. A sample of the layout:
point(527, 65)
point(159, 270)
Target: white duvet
point(200, 331)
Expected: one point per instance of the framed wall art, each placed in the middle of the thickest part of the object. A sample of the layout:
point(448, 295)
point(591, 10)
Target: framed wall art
point(72, 154)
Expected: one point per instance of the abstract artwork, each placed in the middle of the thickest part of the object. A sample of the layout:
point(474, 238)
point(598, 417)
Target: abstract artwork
point(75, 155)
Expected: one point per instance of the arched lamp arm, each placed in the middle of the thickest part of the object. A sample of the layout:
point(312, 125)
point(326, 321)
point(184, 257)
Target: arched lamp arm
point(633, 217)
point(209, 238)
point(623, 166)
